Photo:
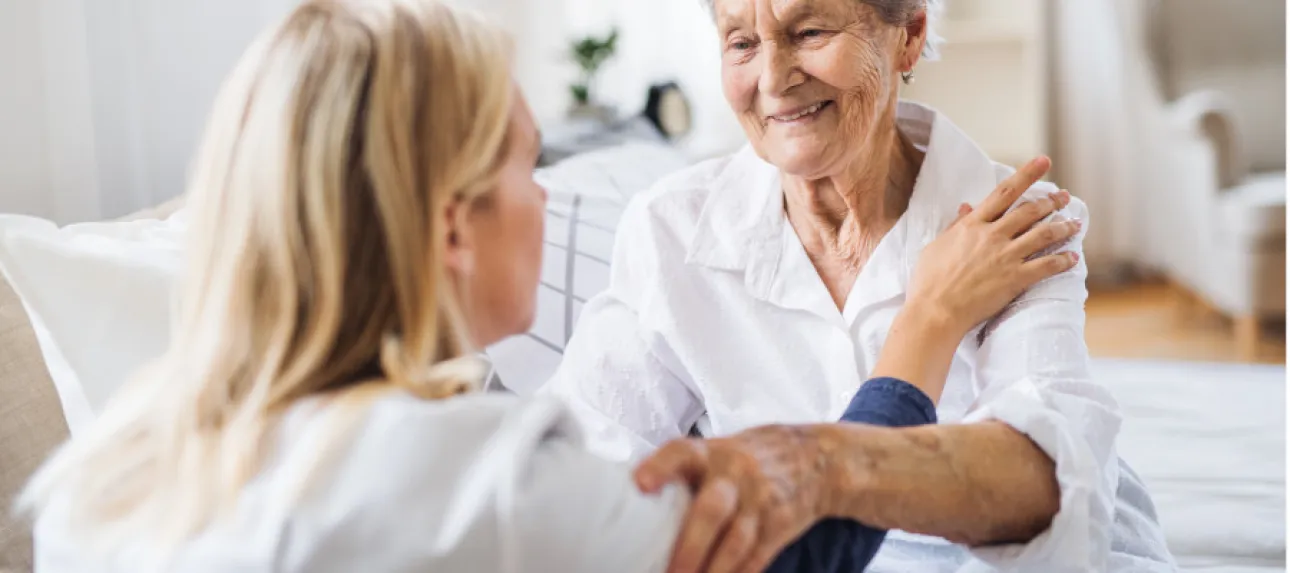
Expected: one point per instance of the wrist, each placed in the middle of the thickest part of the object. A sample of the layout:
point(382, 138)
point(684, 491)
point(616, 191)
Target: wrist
point(919, 348)
point(931, 320)
point(847, 468)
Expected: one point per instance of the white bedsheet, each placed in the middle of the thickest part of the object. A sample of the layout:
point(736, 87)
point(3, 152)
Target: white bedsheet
point(1209, 441)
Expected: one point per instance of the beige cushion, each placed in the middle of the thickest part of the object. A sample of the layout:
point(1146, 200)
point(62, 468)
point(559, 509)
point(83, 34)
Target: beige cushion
point(31, 422)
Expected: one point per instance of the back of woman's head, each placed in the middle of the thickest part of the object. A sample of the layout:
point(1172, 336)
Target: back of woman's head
point(318, 197)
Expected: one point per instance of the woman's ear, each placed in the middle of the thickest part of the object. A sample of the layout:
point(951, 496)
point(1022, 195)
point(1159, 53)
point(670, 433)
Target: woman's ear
point(459, 245)
point(915, 40)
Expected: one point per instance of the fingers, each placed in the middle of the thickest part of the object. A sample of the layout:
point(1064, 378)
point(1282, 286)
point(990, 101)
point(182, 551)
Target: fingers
point(1025, 216)
point(678, 460)
point(706, 519)
point(739, 541)
point(1047, 266)
point(1011, 189)
point(1043, 237)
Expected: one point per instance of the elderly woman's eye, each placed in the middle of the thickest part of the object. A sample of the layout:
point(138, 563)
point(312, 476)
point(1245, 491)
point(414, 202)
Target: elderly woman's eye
point(811, 33)
point(741, 45)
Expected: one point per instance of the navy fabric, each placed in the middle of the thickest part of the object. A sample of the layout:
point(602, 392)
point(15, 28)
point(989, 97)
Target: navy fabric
point(839, 545)
point(890, 402)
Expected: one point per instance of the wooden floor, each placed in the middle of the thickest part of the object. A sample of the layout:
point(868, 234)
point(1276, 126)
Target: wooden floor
point(1155, 321)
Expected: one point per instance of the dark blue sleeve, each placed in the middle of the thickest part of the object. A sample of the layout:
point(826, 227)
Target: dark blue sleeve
point(839, 545)
point(892, 403)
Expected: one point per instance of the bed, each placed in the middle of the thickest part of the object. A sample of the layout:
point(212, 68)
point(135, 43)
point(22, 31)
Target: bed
point(1209, 441)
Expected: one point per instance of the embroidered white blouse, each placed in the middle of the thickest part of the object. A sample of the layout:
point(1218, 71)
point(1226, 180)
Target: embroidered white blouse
point(715, 318)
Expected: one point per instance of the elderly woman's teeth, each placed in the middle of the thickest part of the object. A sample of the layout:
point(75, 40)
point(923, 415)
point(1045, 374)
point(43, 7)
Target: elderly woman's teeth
point(800, 114)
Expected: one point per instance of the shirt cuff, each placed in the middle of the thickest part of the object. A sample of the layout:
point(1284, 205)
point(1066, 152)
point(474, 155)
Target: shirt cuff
point(890, 402)
point(1078, 537)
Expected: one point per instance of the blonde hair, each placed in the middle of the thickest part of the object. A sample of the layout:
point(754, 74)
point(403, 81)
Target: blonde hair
point(316, 256)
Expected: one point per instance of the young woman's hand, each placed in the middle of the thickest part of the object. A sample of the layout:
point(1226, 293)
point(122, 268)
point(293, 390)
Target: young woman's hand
point(982, 262)
point(985, 259)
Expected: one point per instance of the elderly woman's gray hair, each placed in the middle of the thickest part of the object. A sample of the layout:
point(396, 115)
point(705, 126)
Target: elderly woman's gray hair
point(896, 13)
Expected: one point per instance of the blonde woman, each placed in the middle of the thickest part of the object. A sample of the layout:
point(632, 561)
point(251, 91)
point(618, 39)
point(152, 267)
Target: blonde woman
point(365, 217)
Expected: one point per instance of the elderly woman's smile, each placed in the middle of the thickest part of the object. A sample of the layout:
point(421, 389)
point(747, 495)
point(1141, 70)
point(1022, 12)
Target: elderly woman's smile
point(813, 80)
point(800, 116)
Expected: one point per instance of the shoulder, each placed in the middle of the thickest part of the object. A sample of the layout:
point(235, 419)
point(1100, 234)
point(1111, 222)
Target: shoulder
point(407, 461)
point(1067, 286)
point(659, 224)
point(408, 440)
point(462, 483)
point(671, 207)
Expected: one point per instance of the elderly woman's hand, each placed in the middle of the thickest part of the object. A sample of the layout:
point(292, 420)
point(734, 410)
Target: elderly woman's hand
point(755, 492)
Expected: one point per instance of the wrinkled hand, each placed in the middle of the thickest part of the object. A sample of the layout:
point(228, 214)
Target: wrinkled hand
point(987, 257)
point(754, 493)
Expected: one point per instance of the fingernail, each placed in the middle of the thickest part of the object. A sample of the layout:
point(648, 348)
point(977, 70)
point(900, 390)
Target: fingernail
point(1074, 257)
point(1077, 222)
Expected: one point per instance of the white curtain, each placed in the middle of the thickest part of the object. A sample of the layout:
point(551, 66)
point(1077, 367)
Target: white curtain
point(106, 98)
point(1101, 81)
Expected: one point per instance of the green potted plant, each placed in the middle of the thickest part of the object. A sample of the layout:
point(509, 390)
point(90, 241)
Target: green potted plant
point(590, 53)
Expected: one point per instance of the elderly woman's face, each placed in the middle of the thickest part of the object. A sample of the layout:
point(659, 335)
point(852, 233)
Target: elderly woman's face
point(811, 79)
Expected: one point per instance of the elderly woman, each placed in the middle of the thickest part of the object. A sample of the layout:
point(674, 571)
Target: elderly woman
point(360, 227)
point(763, 288)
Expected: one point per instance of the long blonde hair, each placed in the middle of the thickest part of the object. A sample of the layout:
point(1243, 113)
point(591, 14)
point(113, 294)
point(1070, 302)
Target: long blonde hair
point(318, 202)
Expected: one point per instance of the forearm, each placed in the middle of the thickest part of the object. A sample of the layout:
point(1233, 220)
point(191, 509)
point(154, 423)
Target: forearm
point(838, 545)
point(977, 484)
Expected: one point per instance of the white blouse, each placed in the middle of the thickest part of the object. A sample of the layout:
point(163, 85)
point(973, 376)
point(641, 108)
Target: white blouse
point(484, 483)
point(715, 319)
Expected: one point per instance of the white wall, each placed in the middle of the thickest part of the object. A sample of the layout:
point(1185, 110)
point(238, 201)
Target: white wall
point(24, 177)
point(156, 66)
point(102, 101)
point(672, 40)
point(660, 40)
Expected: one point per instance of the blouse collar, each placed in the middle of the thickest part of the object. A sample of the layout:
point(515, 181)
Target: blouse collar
point(743, 227)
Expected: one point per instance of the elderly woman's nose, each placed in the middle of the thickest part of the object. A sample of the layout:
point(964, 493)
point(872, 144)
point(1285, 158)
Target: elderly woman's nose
point(780, 69)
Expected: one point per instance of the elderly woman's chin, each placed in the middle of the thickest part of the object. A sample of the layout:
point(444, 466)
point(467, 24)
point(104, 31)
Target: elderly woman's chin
point(806, 157)
point(808, 151)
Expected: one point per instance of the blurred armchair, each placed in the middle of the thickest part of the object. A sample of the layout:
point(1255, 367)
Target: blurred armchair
point(1214, 148)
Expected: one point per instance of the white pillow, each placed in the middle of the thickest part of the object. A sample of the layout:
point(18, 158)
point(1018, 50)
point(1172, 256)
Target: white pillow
point(98, 296)
point(587, 195)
